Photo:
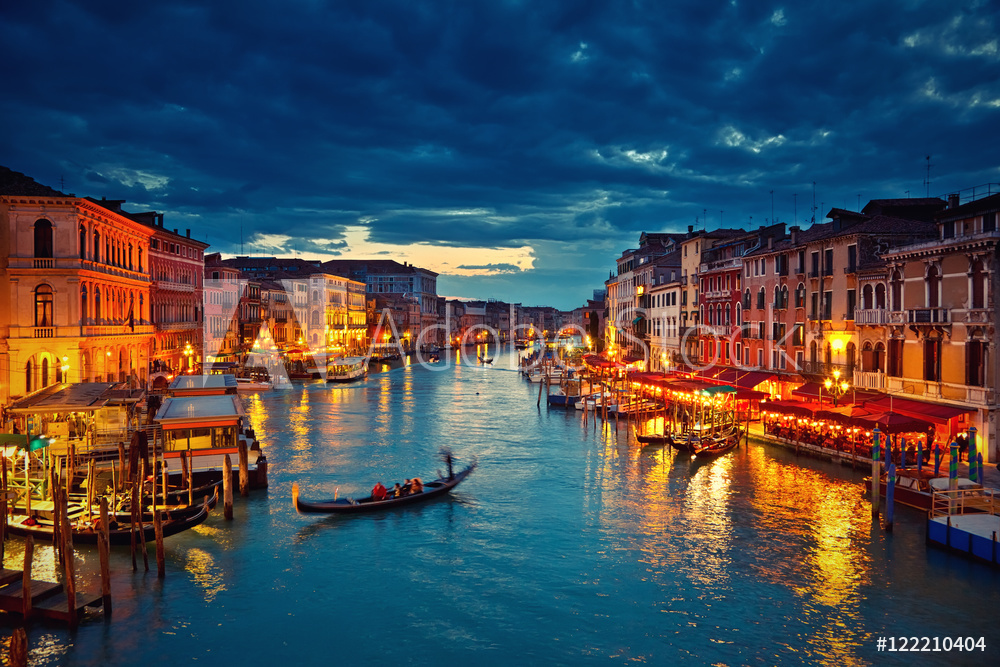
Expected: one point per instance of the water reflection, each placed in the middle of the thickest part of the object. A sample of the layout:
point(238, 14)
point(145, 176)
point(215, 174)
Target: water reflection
point(209, 576)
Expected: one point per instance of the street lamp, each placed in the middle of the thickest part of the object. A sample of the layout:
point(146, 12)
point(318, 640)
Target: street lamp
point(835, 386)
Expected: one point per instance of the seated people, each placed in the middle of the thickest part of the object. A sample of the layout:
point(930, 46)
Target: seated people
point(397, 491)
point(379, 492)
point(416, 486)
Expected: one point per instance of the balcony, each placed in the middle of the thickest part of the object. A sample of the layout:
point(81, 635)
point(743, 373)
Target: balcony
point(44, 332)
point(977, 316)
point(800, 270)
point(44, 263)
point(718, 294)
point(871, 316)
point(869, 380)
point(852, 268)
point(814, 273)
point(826, 369)
point(117, 330)
point(927, 316)
point(828, 271)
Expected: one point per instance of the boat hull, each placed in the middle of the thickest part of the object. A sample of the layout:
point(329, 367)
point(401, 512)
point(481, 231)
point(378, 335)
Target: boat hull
point(435, 489)
point(116, 537)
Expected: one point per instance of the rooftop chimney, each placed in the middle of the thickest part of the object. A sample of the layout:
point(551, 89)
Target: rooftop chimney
point(953, 200)
point(175, 231)
point(770, 242)
point(794, 231)
point(690, 229)
point(188, 233)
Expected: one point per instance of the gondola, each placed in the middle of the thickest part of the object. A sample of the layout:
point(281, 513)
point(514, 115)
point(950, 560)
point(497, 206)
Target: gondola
point(178, 495)
point(434, 489)
point(42, 530)
point(485, 360)
point(717, 446)
point(173, 511)
point(654, 439)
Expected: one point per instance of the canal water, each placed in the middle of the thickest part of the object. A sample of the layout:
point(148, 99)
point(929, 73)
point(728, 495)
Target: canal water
point(568, 545)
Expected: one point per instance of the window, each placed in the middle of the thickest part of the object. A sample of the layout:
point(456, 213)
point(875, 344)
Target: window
point(851, 304)
point(975, 363)
point(43, 306)
point(83, 304)
point(948, 230)
point(827, 305)
point(760, 299)
point(932, 360)
point(27, 378)
point(802, 262)
point(815, 265)
point(97, 247)
point(978, 284)
point(990, 222)
point(83, 243)
point(43, 238)
point(852, 258)
point(895, 358)
point(800, 296)
point(828, 262)
point(97, 305)
point(746, 300)
point(798, 335)
point(897, 291)
point(933, 284)
point(814, 306)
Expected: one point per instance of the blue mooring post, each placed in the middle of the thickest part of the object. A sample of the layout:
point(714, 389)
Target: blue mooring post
point(902, 453)
point(973, 473)
point(890, 493)
point(937, 460)
point(876, 473)
point(979, 461)
point(920, 456)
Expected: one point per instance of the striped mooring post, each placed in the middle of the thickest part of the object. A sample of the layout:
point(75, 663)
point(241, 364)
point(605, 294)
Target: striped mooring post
point(973, 473)
point(890, 493)
point(953, 478)
point(876, 473)
point(979, 461)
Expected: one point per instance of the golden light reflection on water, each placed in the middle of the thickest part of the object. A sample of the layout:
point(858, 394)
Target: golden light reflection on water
point(205, 572)
point(693, 518)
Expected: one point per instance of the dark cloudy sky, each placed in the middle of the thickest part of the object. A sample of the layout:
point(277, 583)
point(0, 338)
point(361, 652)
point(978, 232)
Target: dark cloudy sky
point(516, 147)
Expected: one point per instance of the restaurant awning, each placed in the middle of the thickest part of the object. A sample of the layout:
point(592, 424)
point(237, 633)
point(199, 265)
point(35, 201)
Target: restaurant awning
point(58, 398)
point(937, 413)
point(895, 422)
point(797, 408)
point(750, 379)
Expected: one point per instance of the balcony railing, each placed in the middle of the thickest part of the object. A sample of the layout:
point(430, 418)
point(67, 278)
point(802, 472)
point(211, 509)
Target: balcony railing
point(826, 369)
point(828, 271)
point(869, 380)
point(800, 270)
point(118, 330)
point(871, 316)
point(45, 332)
point(927, 316)
point(44, 263)
point(977, 316)
point(814, 273)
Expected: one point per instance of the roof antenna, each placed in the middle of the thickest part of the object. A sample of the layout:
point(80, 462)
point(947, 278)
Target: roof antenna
point(772, 204)
point(795, 208)
point(927, 181)
point(813, 220)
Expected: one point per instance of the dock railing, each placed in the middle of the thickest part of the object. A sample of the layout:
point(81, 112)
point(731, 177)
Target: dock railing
point(965, 501)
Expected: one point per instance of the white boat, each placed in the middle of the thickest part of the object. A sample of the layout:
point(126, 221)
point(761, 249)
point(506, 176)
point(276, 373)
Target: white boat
point(252, 384)
point(346, 369)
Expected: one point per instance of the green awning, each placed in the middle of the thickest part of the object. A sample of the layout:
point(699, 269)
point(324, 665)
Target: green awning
point(637, 320)
point(13, 440)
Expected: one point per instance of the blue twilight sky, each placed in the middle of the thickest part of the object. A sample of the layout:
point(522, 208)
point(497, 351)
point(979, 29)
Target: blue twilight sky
point(515, 147)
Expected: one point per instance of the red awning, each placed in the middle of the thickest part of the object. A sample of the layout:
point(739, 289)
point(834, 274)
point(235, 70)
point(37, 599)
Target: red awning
point(938, 413)
point(750, 395)
point(750, 379)
point(798, 408)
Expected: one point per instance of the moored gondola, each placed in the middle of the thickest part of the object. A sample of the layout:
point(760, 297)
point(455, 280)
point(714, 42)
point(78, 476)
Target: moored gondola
point(42, 530)
point(434, 489)
point(654, 439)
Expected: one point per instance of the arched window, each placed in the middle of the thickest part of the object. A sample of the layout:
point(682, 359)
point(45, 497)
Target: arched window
point(43, 306)
point(880, 296)
point(739, 315)
point(897, 291)
point(129, 256)
point(43, 238)
point(760, 299)
point(867, 360)
point(83, 304)
point(878, 358)
point(142, 311)
point(97, 247)
point(978, 285)
point(867, 300)
point(139, 255)
point(850, 353)
point(746, 298)
point(83, 243)
point(784, 296)
point(45, 372)
point(933, 283)
point(27, 378)
point(97, 305)
point(777, 297)
point(813, 353)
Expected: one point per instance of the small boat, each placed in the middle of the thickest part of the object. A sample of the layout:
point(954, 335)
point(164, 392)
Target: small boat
point(485, 360)
point(654, 438)
point(917, 490)
point(712, 446)
point(42, 530)
point(346, 369)
point(249, 384)
point(172, 511)
point(438, 487)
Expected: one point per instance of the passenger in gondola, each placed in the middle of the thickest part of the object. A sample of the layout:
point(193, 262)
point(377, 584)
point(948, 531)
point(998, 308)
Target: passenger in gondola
point(397, 491)
point(416, 486)
point(379, 491)
point(406, 487)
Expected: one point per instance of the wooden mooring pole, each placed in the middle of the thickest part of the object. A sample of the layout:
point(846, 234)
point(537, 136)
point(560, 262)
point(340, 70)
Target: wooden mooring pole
point(68, 560)
point(227, 488)
point(18, 656)
point(161, 567)
point(104, 548)
point(244, 469)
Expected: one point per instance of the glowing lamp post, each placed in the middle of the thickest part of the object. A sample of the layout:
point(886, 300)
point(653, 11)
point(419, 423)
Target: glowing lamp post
point(836, 387)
